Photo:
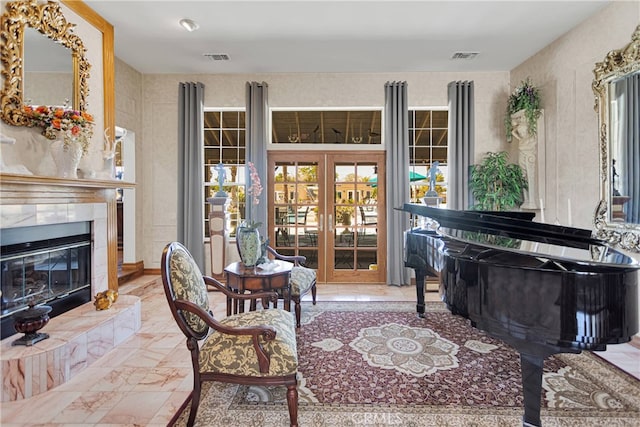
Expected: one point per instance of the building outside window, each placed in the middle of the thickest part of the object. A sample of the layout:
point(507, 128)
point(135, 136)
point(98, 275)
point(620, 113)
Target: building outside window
point(428, 134)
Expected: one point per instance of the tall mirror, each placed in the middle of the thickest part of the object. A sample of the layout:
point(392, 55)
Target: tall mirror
point(617, 90)
point(43, 61)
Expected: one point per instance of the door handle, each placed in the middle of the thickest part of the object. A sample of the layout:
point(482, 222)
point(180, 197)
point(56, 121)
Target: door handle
point(321, 223)
point(330, 223)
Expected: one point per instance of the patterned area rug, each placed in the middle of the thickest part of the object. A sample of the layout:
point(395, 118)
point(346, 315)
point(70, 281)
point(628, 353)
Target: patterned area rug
point(378, 364)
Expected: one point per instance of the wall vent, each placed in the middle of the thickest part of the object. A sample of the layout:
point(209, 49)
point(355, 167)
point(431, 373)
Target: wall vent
point(217, 56)
point(464, 55)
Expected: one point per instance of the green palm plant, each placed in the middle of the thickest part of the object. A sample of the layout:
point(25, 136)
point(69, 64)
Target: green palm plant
point(496, 184)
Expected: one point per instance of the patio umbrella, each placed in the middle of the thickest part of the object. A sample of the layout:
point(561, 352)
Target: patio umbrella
point(413, 176)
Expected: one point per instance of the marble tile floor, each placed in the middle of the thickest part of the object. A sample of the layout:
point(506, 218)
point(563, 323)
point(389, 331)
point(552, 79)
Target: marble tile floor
point(143, 381)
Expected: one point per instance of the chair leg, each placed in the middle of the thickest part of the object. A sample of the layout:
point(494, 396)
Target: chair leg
point(292, 403)
point(195, 401)
point(313, 293)
point(298, 311)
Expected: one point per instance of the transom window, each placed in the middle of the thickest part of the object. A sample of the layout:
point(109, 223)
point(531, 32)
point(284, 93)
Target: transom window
point(326, 126)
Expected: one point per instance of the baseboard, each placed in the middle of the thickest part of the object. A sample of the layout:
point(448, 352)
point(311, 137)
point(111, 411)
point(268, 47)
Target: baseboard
point(133, 266)
point(152, 271)
point(635, 341)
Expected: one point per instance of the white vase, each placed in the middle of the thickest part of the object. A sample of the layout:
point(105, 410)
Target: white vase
point(66, 157)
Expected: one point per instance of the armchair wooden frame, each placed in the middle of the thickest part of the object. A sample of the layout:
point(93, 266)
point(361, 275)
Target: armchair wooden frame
point(259, 334)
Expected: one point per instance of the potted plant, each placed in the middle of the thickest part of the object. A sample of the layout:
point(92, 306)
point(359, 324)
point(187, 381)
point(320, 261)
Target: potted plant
point(526, 97)
point(496, 184)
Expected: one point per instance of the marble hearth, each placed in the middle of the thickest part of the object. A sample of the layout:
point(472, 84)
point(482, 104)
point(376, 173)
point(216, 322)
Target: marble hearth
point(80, 336)
point(77, 339)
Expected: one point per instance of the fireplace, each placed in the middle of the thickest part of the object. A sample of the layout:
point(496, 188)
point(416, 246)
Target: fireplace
point(82, 335)
point(45, 264)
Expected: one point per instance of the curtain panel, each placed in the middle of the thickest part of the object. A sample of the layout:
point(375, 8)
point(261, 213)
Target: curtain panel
point(190, 174)
point(396, 113)
point(461, 144)
point(257, 118)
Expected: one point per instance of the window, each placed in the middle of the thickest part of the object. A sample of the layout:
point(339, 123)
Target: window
point(326, 126)
point(428, 133)
point(224, 142)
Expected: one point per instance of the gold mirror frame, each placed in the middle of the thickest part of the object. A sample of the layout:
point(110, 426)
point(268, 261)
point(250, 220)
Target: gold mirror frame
point(48, 19)
point(616, 64)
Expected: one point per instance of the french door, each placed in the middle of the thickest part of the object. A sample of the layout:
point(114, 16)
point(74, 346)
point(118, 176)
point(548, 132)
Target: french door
point(330, 207)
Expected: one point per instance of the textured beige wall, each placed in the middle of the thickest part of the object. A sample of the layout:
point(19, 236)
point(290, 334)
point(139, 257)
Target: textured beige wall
point(564, 72)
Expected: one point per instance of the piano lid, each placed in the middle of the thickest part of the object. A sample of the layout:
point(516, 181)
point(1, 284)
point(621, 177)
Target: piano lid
point(520, 236)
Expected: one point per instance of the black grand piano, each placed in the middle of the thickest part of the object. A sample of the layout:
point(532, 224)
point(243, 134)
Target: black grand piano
point(543, 289)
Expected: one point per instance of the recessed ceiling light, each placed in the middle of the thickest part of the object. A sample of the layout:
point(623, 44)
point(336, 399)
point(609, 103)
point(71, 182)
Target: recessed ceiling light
point(189, 25)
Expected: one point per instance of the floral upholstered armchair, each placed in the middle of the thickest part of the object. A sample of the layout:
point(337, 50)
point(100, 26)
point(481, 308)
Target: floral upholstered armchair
point(254, 348)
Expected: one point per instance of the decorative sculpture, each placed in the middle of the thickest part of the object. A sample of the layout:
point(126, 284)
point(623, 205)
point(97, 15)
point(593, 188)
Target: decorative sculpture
point(105, 299)
point(433, 175)
point(221, 177)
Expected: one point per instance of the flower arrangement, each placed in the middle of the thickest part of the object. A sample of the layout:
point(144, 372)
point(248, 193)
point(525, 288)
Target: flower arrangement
point(256, 188)
point(73, 124)
point(526, 97)
point(255, 191)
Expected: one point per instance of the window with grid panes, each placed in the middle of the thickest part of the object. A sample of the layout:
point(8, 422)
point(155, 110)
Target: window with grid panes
point(224, 142)
point(428, 133)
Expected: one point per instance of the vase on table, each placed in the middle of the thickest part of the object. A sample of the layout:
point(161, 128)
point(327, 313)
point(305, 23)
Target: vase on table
point(66, 157)
point(249, 245)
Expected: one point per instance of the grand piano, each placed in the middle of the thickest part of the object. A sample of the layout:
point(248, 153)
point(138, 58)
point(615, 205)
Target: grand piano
point(542, 289)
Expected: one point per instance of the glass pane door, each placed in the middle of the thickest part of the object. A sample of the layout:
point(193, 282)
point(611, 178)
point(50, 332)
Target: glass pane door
point(336, 218)
point(356, 221)
point(296, 212)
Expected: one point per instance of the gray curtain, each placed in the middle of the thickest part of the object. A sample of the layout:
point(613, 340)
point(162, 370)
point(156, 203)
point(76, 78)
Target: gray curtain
point(396, 133)
point(190, 173)
point(460, 144)
point(257, 118)
point(627, 92)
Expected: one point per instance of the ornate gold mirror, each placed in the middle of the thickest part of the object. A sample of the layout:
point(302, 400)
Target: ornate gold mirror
point(617, 90)
point(40, 56)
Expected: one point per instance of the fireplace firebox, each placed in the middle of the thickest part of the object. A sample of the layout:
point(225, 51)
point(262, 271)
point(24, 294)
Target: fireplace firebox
point(47, 264)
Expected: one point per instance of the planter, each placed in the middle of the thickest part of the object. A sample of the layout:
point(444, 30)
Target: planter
point(249, 245)
point(66, 157)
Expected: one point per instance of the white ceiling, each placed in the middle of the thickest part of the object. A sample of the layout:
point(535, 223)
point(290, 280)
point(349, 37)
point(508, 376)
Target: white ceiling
point(336, 36)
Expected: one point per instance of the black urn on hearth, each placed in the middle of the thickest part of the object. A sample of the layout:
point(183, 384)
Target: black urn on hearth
point(29, 322)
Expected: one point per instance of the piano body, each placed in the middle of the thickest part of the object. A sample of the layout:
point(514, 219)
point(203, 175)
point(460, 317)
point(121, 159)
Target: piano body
point(543, 289)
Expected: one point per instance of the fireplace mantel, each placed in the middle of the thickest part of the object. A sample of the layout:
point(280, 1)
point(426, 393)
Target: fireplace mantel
point(24, 190)
point(10, 178)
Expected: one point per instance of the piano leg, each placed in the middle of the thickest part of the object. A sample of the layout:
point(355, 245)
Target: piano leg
point(531, 367)
point(420, 276)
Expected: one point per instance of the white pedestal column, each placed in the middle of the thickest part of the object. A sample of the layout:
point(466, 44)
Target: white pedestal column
point(218, 234)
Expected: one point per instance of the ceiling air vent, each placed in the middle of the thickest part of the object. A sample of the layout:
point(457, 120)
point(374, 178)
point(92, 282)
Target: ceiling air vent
point(464, 55)
point(217, 56)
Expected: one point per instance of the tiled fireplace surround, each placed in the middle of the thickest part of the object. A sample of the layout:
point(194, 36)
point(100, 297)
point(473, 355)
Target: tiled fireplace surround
point(82, 335)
